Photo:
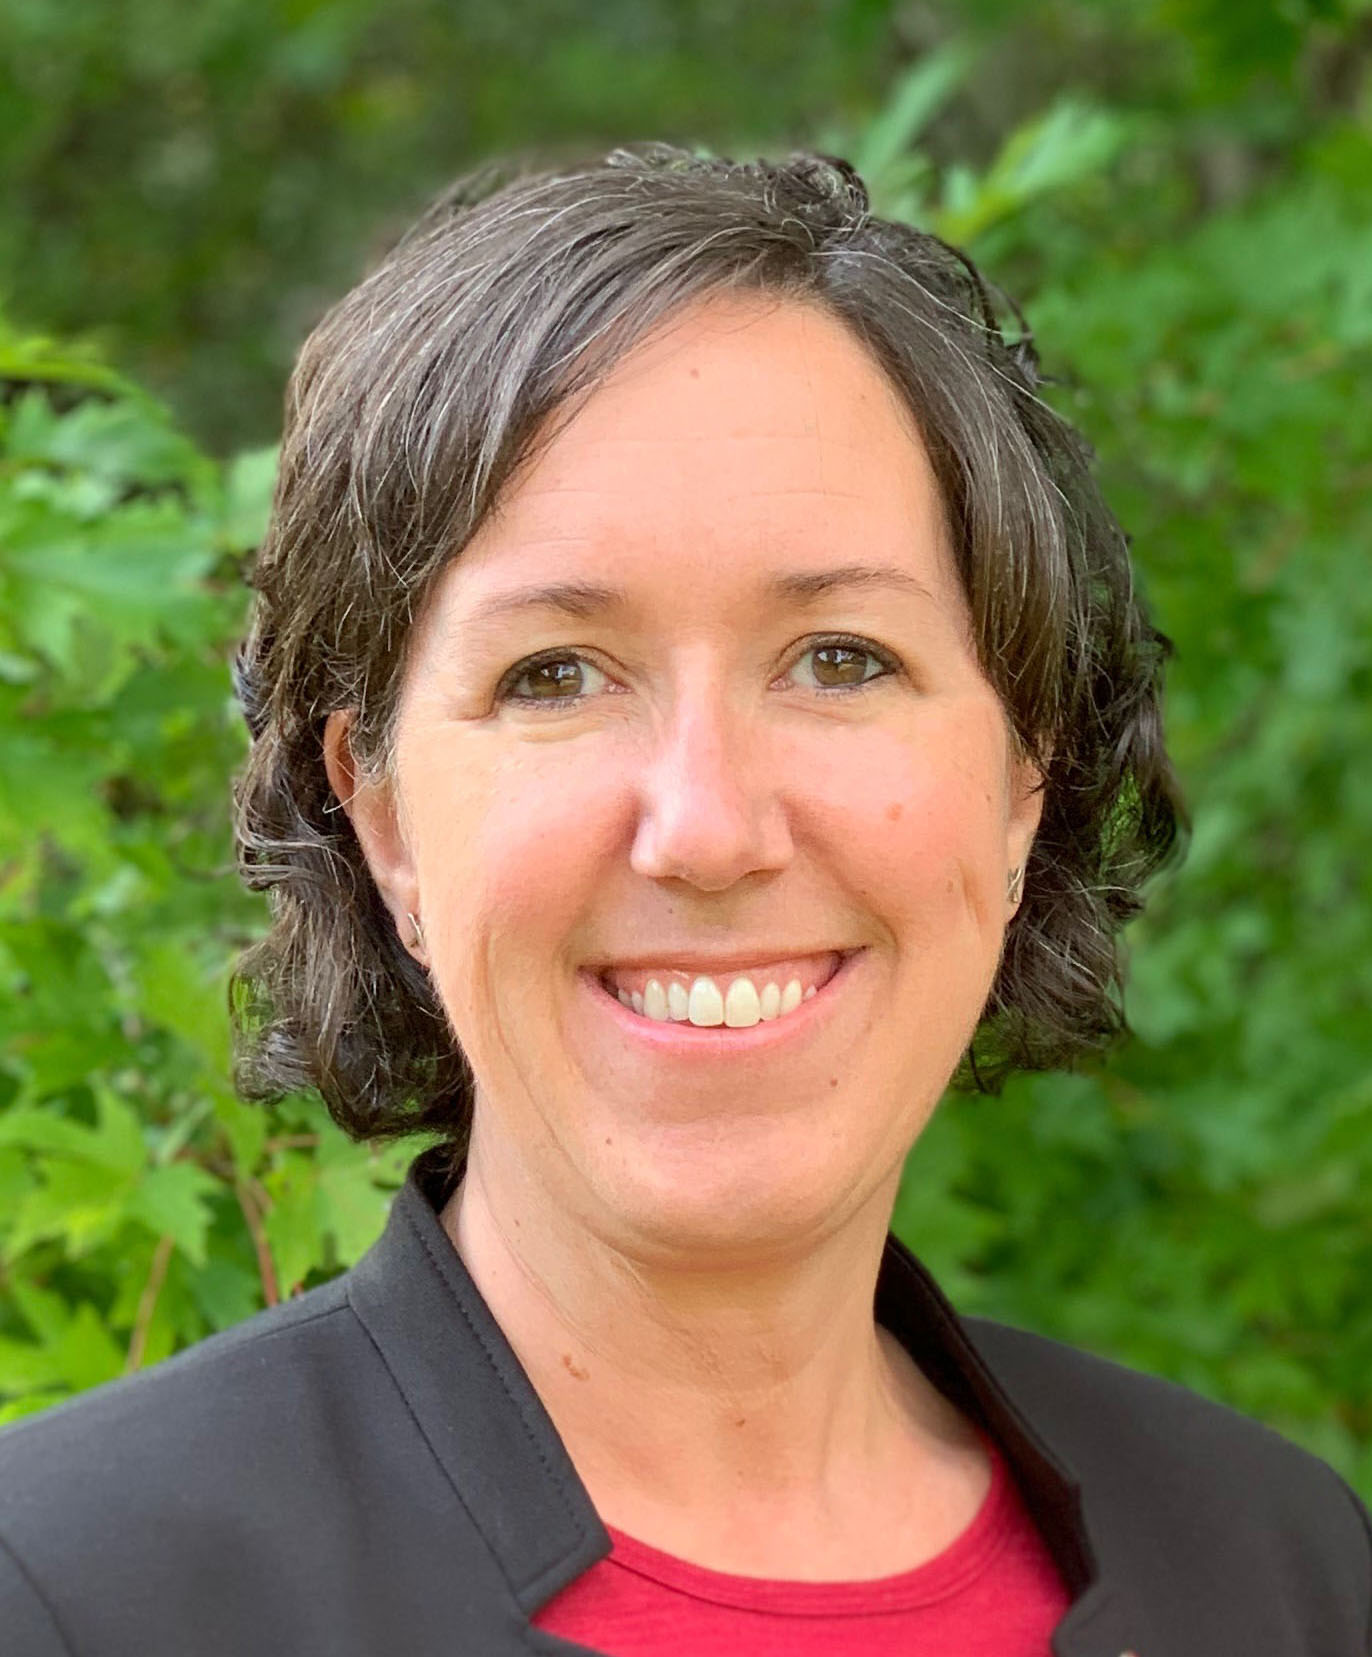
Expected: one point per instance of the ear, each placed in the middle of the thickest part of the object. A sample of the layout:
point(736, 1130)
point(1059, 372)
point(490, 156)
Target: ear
point(1027, 785)
point(373, 809)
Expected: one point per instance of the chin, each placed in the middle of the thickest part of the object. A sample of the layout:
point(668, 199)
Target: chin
point(692, 1197)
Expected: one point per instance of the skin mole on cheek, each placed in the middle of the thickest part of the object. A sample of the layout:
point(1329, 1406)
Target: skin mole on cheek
point(833, 1081)
point(894, 811)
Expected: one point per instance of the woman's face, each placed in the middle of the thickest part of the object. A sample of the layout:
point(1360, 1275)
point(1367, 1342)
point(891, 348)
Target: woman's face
point(702, 697)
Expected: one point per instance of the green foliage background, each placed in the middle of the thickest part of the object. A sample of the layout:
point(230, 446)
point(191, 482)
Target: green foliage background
point(1176, 189)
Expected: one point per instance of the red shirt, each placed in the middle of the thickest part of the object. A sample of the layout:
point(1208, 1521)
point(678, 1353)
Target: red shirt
point(994, 1592)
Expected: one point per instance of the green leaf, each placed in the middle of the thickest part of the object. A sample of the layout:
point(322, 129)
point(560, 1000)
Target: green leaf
point(245, 1128)
point(79, 1203)
point(44, 1310)
point(292, 1226)
point(1068, 143)
point(181, 993)
point(28, 1367)
point(85, 1355)
point(225, 1292)
point(909, 108)
point(248, 487)
point(177, 1200)
point(116, 1144)
point(352, 1205)
point(129, 440)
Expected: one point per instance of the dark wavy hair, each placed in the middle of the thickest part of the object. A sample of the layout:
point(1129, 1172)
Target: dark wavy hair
point(410, 408)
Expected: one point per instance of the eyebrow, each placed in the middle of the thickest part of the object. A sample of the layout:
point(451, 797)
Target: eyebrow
point(583, 599)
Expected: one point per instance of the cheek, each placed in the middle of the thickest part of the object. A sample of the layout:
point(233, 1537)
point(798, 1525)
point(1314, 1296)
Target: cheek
point(920, 818)
point(507, 857)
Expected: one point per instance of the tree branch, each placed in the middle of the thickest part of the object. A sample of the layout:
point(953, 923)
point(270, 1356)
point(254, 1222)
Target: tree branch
point(271, 1291)
point(147, 1303)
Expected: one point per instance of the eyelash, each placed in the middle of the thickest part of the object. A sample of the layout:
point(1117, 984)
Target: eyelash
point(846, 641)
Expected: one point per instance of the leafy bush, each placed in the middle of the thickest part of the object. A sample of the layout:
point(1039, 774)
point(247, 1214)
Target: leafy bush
point(141, 1205)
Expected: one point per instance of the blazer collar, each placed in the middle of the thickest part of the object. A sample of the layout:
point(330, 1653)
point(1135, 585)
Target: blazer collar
point(489, 1430)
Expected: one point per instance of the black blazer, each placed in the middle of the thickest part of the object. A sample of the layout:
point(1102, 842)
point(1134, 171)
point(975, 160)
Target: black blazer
point(365, 1471)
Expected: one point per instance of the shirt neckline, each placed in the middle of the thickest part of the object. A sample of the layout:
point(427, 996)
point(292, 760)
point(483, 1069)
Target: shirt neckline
point(936, 1579)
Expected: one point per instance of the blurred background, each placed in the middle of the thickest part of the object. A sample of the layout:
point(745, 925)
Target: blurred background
point(1180, 194)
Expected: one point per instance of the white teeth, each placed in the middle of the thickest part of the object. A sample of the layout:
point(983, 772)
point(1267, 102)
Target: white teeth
point(742, 1009)
point(705, 1004)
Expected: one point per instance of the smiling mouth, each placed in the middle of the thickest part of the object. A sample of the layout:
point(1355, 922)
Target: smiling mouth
point(735, 1000)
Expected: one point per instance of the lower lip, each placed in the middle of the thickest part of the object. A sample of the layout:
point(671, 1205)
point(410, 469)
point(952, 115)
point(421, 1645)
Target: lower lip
point(718, 1041)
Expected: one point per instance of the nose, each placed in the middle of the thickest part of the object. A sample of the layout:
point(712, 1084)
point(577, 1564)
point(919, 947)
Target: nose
point(709, 811)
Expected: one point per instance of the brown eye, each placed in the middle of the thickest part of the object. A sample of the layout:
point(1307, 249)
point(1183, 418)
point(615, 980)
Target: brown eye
point(550, 680)
point(544, 679)
point(837, 659)
point(843, 664)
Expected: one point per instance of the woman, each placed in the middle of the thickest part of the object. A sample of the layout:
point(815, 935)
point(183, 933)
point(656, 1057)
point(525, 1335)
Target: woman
point(700, 708)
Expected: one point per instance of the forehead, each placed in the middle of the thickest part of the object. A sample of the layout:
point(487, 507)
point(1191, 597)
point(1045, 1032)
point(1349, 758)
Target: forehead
point(745, 431)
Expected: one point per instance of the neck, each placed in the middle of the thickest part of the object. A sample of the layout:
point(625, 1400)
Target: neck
point(706, 1407)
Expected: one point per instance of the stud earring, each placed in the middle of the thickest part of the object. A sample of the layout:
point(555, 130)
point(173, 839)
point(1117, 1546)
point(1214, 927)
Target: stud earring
point(1014, 889)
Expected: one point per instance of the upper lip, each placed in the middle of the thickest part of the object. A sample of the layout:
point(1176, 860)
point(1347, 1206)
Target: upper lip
point(693, 961)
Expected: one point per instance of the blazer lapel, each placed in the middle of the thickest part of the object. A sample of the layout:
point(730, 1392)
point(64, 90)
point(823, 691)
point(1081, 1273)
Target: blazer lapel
point(489, 1430)
point(473, 1402)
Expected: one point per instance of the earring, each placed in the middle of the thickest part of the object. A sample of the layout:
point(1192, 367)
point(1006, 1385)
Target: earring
point(1014, 889)
point(418, 939)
